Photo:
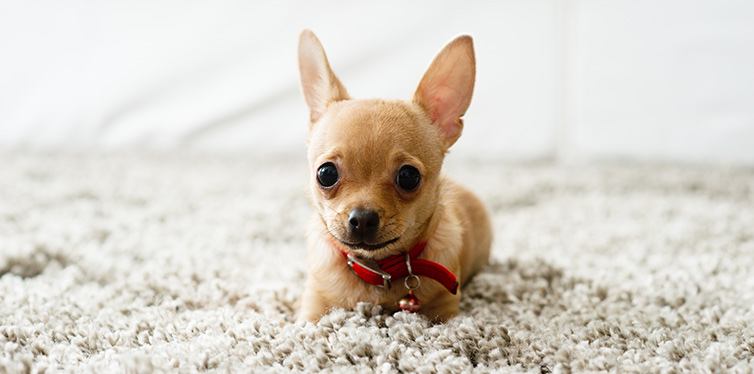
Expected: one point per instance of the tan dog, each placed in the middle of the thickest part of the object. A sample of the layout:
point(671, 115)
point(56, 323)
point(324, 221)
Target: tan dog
point(379, 193)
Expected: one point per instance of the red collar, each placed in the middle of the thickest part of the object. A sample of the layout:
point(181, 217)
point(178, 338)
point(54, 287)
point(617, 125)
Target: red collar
point(380, 273)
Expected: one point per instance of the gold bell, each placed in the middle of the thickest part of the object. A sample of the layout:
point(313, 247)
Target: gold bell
point(409, 303)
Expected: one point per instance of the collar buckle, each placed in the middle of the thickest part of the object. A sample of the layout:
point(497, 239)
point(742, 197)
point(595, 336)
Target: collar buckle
point(369, 265)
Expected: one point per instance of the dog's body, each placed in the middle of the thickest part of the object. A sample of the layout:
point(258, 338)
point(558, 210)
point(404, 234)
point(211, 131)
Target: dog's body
point(378, 188)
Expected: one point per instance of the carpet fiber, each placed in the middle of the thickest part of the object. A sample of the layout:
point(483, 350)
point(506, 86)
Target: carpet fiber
point(187, 263)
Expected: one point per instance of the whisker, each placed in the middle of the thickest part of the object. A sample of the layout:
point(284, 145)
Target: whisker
point(333, 209)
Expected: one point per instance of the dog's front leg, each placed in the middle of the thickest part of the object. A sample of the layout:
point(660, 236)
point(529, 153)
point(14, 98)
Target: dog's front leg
point(313, 306)
point(443, 307)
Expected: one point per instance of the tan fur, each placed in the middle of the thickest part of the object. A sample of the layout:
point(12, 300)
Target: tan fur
point(369, 141)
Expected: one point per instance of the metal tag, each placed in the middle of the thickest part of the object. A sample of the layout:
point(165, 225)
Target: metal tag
point(371, 266)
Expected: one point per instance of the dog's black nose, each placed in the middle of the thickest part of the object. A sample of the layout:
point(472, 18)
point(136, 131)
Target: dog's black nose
point(363, 222)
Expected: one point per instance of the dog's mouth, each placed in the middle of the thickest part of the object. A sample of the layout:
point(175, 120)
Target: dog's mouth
point(369, 247)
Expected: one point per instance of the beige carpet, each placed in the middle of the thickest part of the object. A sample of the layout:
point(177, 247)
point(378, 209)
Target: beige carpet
point(151, 264)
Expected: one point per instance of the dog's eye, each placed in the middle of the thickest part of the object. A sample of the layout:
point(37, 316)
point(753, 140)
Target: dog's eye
point(408, 178)
point(327, 175)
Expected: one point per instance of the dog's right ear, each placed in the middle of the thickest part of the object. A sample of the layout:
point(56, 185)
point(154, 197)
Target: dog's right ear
point(318, 82)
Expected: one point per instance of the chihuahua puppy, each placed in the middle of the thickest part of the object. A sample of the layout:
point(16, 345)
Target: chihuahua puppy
point(390, 229)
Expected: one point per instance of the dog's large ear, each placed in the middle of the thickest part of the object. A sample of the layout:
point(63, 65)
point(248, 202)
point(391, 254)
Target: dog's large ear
point(318, 82)
point(446, 88)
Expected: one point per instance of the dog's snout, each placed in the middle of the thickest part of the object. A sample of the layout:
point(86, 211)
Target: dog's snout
point(363, 221)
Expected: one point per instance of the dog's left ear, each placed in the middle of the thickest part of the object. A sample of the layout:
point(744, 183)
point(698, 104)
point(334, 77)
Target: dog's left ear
point(318, 82)
point(446, 88)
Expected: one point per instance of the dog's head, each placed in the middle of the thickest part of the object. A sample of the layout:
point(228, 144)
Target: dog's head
point(375, 164)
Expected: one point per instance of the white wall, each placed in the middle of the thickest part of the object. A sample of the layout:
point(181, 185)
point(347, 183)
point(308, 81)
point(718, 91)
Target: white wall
point(667, 80)
point(577, 80)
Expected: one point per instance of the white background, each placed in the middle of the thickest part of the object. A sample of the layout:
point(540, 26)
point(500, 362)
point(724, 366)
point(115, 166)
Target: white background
point(573, 81)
